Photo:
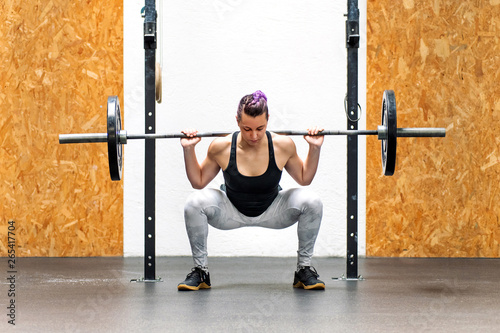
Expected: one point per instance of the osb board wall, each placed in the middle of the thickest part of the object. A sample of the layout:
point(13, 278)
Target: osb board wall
point(59, 60)
point(442, 58)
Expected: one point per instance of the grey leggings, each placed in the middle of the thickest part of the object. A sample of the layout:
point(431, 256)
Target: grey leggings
point(211, 206)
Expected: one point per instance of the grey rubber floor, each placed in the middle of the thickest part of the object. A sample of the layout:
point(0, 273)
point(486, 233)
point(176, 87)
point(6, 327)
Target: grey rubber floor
point(254, 295)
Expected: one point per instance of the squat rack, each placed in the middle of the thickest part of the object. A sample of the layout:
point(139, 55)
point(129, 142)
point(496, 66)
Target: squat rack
point(352, 45)
point(150, 46)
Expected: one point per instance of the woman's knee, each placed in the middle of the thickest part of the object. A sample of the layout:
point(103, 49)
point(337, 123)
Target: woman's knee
point(204, 206)
point(193, 207)
point(314, 204)
point(307, 200)
point(199, 200)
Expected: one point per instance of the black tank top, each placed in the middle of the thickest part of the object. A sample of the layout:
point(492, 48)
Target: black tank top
point(252, 195)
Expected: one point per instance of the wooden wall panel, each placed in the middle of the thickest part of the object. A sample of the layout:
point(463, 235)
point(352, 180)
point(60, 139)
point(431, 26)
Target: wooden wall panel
point(59, 60)
point(443, 60)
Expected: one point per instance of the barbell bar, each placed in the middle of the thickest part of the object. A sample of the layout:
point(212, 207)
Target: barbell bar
point(124, 136)
point(387, 133)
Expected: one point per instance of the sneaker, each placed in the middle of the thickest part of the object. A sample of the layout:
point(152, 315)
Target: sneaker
point(307, 278)
point(195, 280)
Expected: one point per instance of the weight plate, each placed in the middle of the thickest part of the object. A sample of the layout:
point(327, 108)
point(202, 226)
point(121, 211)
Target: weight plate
point(115, 152)
point(389, 121)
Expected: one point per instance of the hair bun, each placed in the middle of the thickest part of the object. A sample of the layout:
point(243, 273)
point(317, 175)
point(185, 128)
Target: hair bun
point(258, 95)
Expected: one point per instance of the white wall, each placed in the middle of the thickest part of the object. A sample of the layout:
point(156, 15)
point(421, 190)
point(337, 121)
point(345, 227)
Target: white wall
point(213, 52)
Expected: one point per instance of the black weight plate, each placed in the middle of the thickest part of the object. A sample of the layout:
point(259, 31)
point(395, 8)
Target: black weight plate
point(389, 120)
point(115, 152)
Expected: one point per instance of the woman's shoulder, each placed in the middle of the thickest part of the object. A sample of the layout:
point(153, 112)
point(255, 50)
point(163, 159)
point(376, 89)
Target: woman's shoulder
point(282, 141)
point(220, 144)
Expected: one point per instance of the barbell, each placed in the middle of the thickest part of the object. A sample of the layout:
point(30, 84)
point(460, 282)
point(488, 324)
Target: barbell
point(388, 133)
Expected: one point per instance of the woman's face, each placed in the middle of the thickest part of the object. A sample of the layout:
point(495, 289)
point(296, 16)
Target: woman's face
point(253, 129)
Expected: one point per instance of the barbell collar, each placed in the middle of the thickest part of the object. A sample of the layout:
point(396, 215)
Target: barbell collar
point(122, 137)
point(382, 132)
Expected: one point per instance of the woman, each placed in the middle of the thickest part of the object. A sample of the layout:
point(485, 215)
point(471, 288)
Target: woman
point(252, 161)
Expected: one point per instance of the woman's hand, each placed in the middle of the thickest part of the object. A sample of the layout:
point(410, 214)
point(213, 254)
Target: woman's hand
point(313, 138)
point(191, 139)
